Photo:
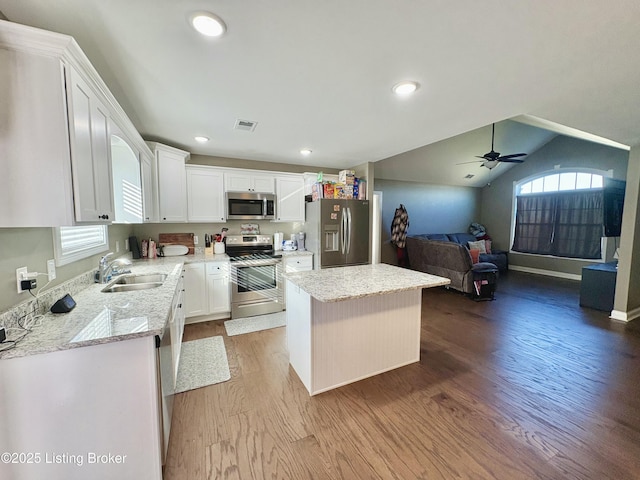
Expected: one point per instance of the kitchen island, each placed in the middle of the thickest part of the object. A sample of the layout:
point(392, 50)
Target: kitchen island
point(345, 324)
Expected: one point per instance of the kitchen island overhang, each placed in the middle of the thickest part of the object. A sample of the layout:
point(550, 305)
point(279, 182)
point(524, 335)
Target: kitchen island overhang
point(345, 324)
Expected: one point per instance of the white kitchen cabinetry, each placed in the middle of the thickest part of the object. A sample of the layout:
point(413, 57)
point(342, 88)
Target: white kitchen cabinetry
point(290, 198)
point(195, 290)
point(55, 144)
point(100, 399)
point(149, 189)
point(205, 194)
point(218, 287)
point(246, 181)
point(90, 152)
point(172, 182)
point(207, 290)
point(177, 321)
point(296, 263)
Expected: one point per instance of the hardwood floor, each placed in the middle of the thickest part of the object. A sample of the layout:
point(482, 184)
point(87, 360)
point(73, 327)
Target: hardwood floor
point(527, 386)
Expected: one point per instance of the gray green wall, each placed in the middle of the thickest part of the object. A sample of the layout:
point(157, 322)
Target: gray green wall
point(497, 198)
point(31, 248)
point(431, 208)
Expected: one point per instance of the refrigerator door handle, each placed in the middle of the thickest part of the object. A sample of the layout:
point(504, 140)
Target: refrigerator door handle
point(349, 232)
point(343, 231)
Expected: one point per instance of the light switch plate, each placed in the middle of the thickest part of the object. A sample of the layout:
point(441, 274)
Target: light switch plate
point(51, 269)
point(195, 239)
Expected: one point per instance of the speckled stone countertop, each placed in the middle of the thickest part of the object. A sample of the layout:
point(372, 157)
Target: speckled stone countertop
point(347, 283)
point(106, 317)
point(294, 253)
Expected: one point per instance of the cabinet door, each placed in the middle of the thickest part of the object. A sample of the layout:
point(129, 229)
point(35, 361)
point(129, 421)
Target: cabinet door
point(90, 153)
point(237, 182)
point(195, 290)
point(298, 263)
point(218, 287)
point(205, 194)
point(248, 182)
point(263, 183)
point(149, 197)
point(172, 186)
point(290, 199)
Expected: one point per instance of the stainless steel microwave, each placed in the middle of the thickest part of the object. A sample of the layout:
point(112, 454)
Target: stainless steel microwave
point(251, 206)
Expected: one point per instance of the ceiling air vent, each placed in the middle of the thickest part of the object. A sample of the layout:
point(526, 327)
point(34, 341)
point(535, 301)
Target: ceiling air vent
point(469, 176)
point(246, 125)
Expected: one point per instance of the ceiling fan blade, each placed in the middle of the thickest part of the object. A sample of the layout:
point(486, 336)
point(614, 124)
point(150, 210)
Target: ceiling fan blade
point(513, 155)
point(510, 160)
point(472, 161)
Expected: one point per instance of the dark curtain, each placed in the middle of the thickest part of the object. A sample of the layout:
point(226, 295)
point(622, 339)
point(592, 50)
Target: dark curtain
point(566, 224)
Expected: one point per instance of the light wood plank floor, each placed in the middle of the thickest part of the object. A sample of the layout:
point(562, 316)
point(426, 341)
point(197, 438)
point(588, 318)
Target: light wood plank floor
point(527, 386)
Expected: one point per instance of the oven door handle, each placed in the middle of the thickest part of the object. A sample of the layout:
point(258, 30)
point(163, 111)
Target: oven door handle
point(255, 263)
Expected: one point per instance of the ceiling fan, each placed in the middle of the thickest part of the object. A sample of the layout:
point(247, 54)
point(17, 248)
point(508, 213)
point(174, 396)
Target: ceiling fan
point(492, 158)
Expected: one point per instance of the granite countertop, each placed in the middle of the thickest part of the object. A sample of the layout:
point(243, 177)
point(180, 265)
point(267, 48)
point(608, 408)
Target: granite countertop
point(106, 317)
point(347, 283)
point(294, 253)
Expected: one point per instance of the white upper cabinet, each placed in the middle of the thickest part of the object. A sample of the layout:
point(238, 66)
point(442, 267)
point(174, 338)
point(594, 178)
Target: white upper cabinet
point(172, 182)
point(126, 171)
point(149, 189)
point(247, 181)
point(205, 194)
point(90, 152)
point(55, 113)
point(290, 198)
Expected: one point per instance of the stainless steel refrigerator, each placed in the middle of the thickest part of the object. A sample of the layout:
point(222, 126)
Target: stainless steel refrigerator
point(338, 232)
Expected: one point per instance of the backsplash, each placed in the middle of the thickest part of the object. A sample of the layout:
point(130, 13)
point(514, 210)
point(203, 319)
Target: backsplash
point(13, 318)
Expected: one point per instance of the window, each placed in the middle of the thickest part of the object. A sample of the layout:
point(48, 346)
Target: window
point(75, 243)
point(560, 214)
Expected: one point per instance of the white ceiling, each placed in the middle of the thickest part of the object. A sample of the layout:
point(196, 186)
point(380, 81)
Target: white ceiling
point(318, 74)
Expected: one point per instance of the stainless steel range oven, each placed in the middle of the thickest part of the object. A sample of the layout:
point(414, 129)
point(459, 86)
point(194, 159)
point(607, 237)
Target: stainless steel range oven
point(256, 276)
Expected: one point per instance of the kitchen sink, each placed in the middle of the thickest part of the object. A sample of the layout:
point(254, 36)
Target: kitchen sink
point(136, 282)
point(136, 279)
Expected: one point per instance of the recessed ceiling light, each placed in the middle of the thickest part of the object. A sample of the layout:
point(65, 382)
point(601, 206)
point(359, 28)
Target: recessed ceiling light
point(405, 88)
point(208, 24)
point(201, 139)
point(305, 151)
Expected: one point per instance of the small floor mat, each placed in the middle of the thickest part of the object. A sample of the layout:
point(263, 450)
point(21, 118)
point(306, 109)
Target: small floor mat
point(202, 362)
point(239, 326)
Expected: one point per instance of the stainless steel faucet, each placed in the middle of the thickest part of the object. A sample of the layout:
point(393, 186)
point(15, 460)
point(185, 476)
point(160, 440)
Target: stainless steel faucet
point(108, 269)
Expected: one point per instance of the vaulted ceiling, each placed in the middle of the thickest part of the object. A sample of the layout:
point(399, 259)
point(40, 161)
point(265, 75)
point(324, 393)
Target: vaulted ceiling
point(319, 74)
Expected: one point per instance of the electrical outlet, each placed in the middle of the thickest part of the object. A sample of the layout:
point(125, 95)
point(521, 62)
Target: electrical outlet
point(117, 246)
point(51, 269)
point(126, 244)
point(195, 239)
point(21, 274)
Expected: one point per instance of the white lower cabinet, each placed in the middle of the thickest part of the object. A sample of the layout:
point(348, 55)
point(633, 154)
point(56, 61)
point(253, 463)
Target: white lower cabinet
point(218, 287)
point(195, 290)
point(177, 321)
point(296, 263)
point(207, 291)
point(83, 402)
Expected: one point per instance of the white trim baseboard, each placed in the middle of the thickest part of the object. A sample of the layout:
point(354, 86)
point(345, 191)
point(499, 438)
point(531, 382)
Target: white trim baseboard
point(625, 316)
point(549, 273)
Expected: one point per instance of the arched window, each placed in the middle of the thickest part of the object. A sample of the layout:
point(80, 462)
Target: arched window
point(560, 214)
point(561, 182)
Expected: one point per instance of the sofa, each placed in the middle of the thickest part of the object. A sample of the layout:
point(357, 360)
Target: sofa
point(498, 257)
point(441, 255)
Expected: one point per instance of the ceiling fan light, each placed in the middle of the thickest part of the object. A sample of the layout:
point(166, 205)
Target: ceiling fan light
point(208, 24)
point(404, 89)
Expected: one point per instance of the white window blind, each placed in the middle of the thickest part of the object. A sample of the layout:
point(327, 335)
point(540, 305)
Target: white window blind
point(75, 243)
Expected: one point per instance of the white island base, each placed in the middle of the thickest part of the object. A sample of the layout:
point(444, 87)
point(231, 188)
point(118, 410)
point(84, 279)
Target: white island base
point(335, 343)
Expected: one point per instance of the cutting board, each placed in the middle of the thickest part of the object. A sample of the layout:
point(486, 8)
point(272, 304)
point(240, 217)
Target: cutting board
point(185, 239)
